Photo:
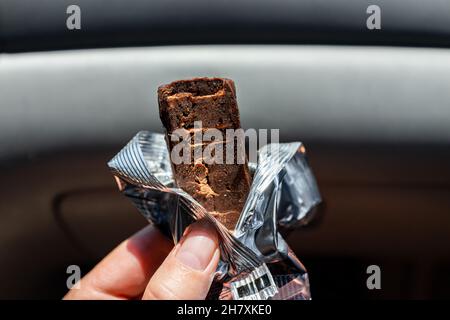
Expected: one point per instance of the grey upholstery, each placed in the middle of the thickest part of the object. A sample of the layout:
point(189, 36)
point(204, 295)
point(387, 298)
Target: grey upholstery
point(65, 99)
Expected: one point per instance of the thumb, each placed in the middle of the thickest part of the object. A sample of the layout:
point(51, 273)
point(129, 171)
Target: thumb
point(188, 270)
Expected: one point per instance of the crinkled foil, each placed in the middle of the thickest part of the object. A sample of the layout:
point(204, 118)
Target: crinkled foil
point(256, 263)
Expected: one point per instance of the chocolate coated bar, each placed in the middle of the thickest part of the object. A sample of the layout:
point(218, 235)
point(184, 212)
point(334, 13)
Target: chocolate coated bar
point(221, 188)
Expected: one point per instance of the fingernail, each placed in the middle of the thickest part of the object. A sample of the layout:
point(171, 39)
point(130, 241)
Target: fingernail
point(198, 246)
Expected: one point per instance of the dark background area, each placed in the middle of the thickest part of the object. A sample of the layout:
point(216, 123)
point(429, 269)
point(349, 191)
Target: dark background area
point(28, 25)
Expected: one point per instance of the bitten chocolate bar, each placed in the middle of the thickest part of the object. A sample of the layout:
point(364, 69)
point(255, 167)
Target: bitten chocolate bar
point(221, 188)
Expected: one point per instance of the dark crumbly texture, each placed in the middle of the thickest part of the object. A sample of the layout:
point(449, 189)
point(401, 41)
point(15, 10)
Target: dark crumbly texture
point(221, 188)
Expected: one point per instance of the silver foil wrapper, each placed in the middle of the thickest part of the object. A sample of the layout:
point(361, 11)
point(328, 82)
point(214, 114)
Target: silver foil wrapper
point(256, 262)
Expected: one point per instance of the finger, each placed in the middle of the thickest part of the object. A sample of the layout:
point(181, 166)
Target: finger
point(188, 270)
point(125, 272)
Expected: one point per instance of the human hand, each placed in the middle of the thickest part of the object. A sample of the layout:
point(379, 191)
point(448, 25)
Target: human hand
point(148, 266)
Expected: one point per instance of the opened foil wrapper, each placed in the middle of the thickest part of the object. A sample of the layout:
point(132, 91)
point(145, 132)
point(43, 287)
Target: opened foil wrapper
point(256, 263)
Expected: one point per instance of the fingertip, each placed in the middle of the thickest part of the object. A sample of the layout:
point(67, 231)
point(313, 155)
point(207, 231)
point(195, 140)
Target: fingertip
point(197, 247)
point(189, 269)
